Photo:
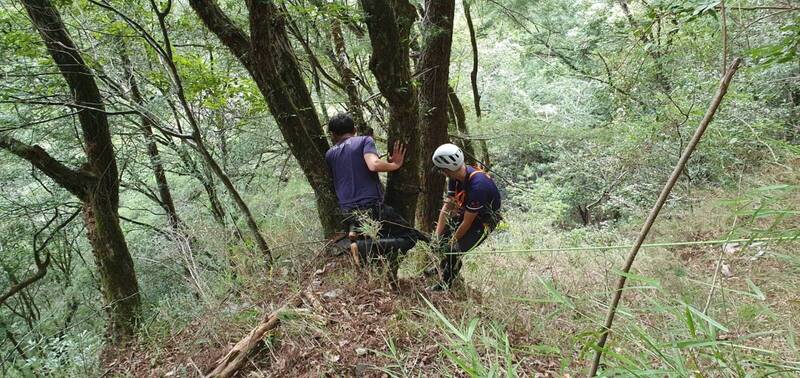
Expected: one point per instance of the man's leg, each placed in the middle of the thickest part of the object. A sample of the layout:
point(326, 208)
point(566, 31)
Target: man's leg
point(396, 237)
point(451, 262)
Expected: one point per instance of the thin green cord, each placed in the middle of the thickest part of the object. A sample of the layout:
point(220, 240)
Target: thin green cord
point(605, 247)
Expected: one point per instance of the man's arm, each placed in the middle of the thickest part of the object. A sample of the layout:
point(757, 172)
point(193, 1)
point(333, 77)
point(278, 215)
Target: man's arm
point(444, 214)
point(476, 200)
point(376, 164)
point(469, 218)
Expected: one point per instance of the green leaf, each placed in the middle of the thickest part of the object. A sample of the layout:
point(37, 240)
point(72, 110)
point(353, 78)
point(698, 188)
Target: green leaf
point(635, 277)
point(555, 295)
point(707, 318)
point(758, 293)
point(690, 322)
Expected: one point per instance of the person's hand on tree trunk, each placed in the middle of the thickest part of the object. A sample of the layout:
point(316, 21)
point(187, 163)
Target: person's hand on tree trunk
point(398, 154)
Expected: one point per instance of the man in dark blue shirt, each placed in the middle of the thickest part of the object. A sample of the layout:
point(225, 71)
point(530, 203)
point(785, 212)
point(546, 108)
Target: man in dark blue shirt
point(470, 212)
point(354, 164)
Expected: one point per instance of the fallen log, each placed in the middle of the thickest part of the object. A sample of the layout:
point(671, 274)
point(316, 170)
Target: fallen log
point(237, 356)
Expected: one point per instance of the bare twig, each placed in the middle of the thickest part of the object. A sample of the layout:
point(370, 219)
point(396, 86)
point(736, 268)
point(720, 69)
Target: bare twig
point(612, 309)
point(41, 265)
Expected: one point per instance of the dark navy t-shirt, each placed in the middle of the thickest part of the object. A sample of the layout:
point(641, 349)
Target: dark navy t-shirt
point(355, 185)
point(479, 195)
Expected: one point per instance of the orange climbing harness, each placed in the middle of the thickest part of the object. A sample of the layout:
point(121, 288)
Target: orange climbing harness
point(461, 195)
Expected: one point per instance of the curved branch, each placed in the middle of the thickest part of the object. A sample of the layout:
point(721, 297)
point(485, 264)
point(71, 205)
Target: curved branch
point(41, 266)
point(233, 37)
point(75, 181)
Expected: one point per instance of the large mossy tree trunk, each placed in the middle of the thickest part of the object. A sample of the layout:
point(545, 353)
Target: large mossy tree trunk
point(269, 58)
point(97, 182)
point(434, 65)
point(389, 25)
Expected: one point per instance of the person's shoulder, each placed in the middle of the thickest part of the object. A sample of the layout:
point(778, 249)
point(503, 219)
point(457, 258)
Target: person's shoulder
point(363, 139)
point(367, 145)
point(329, 152)
point(481, 179)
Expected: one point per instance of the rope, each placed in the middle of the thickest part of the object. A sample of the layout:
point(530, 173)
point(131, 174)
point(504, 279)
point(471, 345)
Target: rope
point(651, 245)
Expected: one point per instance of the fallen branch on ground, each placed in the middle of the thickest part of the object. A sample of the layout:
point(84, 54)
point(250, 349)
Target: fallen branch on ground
point(237, 356)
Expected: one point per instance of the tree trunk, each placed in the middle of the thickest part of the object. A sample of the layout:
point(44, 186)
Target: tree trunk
point(97, 183)
point(323, 107)
point(473, 75)
point(164, 192)
point(434, 63)
point(207, 180)
point(473, 78)
point(342, 64)
point(120, 292)
point(389, 24)
point(459, 119)
point(270, 60)
point(290, 103)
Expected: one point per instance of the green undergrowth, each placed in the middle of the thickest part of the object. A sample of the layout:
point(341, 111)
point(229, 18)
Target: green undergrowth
point(526, 306)
point(707, 310)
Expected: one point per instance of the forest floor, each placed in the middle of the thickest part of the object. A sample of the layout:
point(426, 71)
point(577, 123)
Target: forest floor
point(359, 330)
point(533, 313)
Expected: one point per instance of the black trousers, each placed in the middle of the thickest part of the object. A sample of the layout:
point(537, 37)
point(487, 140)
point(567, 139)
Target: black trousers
point(395, 234)
point(392, 224)
point(450, 264)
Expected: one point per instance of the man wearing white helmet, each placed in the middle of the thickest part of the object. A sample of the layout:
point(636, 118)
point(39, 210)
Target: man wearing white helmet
point(470, 211)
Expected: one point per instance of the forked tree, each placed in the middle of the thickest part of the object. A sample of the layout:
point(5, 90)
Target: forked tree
point(96, 182)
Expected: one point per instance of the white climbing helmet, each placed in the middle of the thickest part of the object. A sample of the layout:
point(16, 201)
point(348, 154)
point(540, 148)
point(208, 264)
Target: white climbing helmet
point(448, 156)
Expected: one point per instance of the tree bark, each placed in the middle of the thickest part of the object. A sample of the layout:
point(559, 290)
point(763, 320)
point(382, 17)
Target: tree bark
point(473, 75)
point(434, 63)
point(270, 60)
point(146, 125)
point(342, 64)
point(207, 180)
point(459, 119)
point(389, 24)
point(473, 78)
point(100, 194)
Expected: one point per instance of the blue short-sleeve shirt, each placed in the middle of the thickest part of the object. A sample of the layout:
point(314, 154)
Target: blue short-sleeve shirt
point(478, 194)
point(355, 185)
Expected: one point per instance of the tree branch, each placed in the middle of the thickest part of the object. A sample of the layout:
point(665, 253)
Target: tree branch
point(75, 181)
point(41, 265)
point(295, 31)
point(234, 38)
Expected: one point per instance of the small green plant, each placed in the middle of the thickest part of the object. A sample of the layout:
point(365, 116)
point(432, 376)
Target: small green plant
point(486, 353)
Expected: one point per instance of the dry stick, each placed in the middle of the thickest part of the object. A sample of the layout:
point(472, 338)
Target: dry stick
point(612, 309)
point(714, 282)
point(723, 17)
point(236, 358)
